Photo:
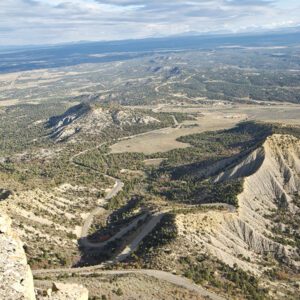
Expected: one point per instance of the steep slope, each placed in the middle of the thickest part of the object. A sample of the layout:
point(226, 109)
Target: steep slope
point(93, 119)
point(49, 222)
point(16, 280)
point(246, 237)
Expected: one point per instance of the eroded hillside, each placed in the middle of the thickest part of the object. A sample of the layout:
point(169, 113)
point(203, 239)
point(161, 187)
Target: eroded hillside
point(139, 161)
point(260, 236)
point(49, 222)
point(245, 236)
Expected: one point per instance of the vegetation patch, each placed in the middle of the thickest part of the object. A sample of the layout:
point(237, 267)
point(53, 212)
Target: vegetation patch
point(232, 281)
point(162, 235)
point(115, 221)
point(189, 183)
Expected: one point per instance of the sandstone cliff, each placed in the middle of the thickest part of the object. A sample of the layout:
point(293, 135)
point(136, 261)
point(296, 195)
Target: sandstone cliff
point(16, 280)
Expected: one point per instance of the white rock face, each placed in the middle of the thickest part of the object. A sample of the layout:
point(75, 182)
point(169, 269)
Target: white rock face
point(244, 236)
point(16, 280)
point(61, 291)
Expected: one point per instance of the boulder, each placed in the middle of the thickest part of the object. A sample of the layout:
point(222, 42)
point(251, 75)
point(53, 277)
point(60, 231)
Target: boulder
point(64, 291)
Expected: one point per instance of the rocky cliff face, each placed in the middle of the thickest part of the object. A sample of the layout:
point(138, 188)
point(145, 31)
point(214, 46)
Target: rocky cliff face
point(246, 236)
point(16, 280)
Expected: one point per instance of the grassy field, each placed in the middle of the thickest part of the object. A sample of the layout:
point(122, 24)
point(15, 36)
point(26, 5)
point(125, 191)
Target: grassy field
point(166, 139)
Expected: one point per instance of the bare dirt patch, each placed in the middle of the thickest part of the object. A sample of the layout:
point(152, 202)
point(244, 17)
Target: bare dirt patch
point(129, 286)
point(153, 161)
point(10, 102)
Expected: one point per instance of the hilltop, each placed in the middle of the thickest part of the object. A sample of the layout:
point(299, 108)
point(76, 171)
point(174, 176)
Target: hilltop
point(93, 119)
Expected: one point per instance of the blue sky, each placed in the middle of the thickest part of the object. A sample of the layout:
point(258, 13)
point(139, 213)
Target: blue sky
point(56, 21)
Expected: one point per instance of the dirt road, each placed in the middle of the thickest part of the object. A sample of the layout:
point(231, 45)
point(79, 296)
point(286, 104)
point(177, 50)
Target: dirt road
point(147, 228)
point(161, 275)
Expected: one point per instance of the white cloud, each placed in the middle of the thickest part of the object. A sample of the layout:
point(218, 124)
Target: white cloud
point(52, 21)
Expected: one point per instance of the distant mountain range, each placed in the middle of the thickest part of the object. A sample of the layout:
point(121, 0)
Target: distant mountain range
point(226, 33)
point(49, 56)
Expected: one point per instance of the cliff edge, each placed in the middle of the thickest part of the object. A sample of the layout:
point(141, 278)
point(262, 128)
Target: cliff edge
point(16, 281)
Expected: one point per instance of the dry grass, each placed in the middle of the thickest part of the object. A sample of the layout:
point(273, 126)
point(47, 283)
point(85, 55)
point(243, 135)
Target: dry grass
point(215, 116)
point(129, 286)
point(11, 102)
point(165, 139)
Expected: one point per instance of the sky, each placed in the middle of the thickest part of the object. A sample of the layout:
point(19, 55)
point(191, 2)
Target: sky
point(25, 22)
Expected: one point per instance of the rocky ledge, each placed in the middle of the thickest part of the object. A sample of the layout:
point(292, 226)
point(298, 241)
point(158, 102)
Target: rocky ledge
point(16, 280)
point(62, 291)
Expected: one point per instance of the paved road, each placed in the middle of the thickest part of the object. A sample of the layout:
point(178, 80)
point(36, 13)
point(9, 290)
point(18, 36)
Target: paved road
point(148, 227)
point(116, 188)
point(98, 210)
point(92, 245)
point(161, 275)
point(155, 219)
point(88, 223)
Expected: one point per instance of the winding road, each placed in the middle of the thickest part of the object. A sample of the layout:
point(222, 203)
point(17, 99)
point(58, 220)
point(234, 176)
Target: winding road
point(118, 186)
point(118, 235)
point(154, 220)
point(160, 275)
point(145, 230)
point(98, 210)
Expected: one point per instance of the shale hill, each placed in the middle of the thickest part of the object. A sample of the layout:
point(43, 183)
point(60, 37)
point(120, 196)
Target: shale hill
point(259, 236)
point(271, 188)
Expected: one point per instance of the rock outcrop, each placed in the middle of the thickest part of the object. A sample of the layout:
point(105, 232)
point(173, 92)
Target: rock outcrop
point(4, 194)
point(63, 291)
point(93, 120)
point(16, 280)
